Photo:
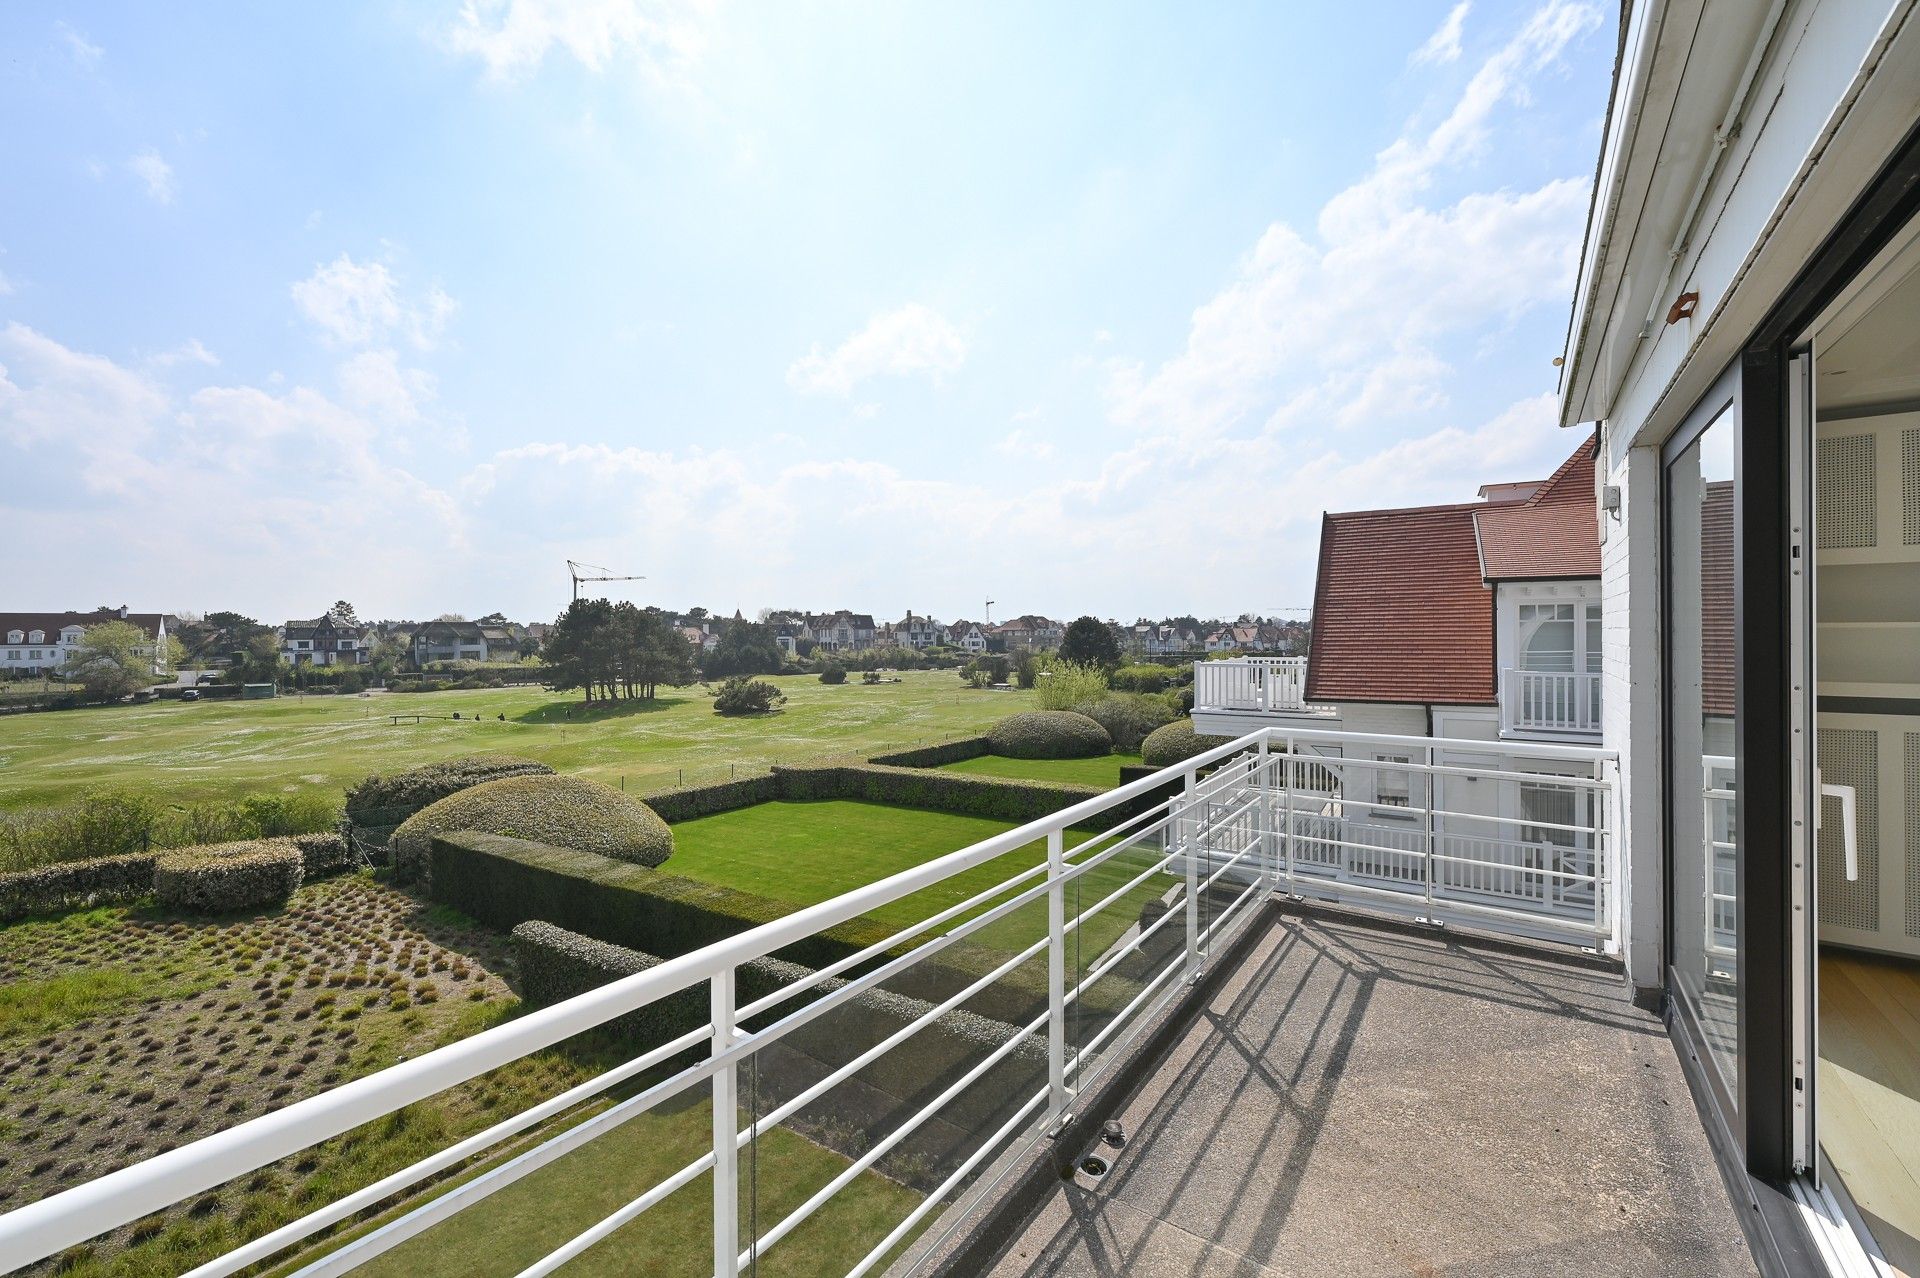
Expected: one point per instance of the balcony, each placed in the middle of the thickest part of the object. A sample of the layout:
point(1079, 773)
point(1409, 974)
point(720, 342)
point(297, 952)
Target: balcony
point(1255, 686)
point(1550, 703)
point(1305, 1088)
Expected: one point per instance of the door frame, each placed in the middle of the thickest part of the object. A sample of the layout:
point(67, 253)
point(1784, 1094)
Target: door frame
point(1755, 1134)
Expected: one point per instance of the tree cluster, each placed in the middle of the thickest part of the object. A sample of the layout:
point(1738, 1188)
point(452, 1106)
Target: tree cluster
point(610, 651)
point(745, 648)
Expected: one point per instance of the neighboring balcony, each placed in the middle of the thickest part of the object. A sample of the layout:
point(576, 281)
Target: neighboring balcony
point(1254, 685)
point(1549, 702)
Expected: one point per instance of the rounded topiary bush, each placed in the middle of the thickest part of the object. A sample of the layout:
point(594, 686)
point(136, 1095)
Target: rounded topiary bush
point(220, 878)
point(388, 800)
point(566, 812)
point(1176, 743)
point(1048, 734)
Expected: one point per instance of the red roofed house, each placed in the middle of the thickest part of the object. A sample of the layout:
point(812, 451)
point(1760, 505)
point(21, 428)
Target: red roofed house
point(1475, 621)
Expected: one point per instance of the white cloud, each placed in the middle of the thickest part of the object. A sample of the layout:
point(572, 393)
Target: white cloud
point(375, 382)
point(1020, 443)
point(191, 351)
point(155, 173)
point(358, 303)
point(1444, 44)
point(84, 51)
point(912, 340)
point(1346, 324)
point(662, 39)
point(6, 285)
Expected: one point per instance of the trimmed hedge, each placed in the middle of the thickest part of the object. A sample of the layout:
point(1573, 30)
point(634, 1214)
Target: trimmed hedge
point(1048, 734)
point(1176, 743)
point(556, 964)
point(389, 800)
point(936, 755)
point(568, 812)
point(688, 802)
point(221, 878)
point(1004, 799)
point(76, 885)
point(110, 880)
point(504, 882)
point(324, 854)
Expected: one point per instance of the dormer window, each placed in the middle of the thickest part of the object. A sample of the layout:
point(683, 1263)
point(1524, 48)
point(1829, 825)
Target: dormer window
point(37, 636)
point(16, 636)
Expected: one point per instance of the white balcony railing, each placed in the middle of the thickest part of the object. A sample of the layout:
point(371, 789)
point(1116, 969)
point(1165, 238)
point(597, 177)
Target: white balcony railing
point(1263, 685)
point(1550, 701)
point(1076, 953)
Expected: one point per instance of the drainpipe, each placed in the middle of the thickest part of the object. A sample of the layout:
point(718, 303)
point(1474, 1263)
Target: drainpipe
point(1723, 137)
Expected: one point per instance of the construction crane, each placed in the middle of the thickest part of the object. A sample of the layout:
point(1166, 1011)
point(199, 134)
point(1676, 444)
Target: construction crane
point(989, 620)
point(607, 574)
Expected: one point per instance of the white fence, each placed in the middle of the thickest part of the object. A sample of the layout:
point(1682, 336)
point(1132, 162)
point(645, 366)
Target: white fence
point(1262, 684)
point(1550, 701)
point(1074, 952)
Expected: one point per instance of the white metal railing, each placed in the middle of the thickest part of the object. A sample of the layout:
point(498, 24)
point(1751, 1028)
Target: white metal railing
point(1720, 862)
point(1118, 923)
point(1260, 684)
point(1550, 701)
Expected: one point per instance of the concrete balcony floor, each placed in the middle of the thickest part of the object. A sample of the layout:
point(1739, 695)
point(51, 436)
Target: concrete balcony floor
point(1354, 1099)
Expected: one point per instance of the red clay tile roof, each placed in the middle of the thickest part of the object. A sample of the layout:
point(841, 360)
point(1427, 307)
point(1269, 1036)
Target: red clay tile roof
point(1551, 535)
point(1399, 610)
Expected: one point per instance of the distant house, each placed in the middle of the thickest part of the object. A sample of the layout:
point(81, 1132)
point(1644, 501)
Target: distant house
point(324, 641)
point(41, 642)
point(457, 641)
point(967, 636)
point(918, 632)
point(1030, 633)
point(841, 631)
point(701, 637)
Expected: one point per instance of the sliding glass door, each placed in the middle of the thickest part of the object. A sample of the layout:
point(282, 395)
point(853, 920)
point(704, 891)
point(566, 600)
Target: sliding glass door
point(1704, 772)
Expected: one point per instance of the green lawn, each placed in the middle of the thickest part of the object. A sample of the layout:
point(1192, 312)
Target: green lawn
point(1101, 770)
point(211, 750)
point(804, 853)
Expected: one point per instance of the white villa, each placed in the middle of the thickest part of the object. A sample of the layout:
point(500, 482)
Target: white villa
point(41, 642)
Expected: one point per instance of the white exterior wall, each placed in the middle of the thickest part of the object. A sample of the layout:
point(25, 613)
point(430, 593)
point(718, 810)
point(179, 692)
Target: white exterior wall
point(1630, 701)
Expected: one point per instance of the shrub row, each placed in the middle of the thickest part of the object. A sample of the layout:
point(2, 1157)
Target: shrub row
point(1003, 799)
point(76, 885)
point(220, 878)
point(688, 802)
point(114, 822)
point(388, 800)
point(556, 964)
point(130, 876)
point(936, 755)
point(569, 812)
point(1049, 734)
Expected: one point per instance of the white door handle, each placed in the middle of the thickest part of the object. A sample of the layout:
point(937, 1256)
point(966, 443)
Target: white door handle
point(1849, 833)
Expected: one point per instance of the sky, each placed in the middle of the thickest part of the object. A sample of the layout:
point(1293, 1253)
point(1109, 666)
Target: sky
point(887, 306)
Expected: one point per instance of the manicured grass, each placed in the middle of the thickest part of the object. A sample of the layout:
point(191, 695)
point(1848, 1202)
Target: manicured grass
point(54, 1002)
point(1101, 770)
point(525, 1221)
point(804, 853)
point(189, 751)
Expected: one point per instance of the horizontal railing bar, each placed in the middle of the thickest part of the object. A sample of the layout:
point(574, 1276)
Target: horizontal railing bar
point(268, 1244)
point(467, 1193)
point(1561, 922)
point(880, 1148)
point(1515, 749)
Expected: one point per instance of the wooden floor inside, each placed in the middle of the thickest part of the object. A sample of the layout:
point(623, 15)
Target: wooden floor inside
point(1869, 1093)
